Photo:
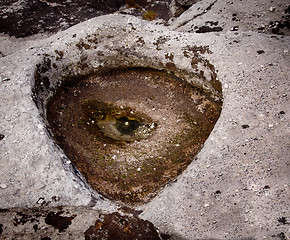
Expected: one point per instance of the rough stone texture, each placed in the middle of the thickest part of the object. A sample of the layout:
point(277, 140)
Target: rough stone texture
point(238, 185)
point(75, 223)
point(234, 15)
point(187, 2)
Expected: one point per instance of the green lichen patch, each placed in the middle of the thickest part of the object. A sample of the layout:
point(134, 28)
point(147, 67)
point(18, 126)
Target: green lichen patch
point(150, 15)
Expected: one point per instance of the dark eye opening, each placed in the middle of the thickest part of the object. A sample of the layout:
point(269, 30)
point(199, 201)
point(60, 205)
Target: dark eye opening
point(126, 126)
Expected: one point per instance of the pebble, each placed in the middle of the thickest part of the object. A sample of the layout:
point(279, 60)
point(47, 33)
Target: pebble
point(272, 9)
point(3, 186)
point(40, 200)
point(138, 169)
point(235, 28)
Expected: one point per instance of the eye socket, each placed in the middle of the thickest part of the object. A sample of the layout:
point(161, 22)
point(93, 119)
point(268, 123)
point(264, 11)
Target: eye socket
point(130, 132)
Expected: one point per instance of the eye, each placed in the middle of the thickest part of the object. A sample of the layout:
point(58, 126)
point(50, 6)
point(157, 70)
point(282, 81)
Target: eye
point(117, 123)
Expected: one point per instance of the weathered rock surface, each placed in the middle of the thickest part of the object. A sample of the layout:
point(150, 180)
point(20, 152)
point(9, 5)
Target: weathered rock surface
point(238, 185)
point(187, 2)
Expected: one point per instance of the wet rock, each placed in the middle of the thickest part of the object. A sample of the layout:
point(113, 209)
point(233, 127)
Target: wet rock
point(148, 10)
point(59, 222)
point(205, 29)
point(122, 227)
point(27, 17)
point(108, 134)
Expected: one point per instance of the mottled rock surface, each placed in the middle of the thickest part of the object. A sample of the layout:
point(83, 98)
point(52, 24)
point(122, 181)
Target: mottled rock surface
point(237, 187)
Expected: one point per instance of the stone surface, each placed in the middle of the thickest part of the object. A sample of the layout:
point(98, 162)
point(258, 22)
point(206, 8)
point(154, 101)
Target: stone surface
point(187, 2)
point(238, 185)
point(235, 15)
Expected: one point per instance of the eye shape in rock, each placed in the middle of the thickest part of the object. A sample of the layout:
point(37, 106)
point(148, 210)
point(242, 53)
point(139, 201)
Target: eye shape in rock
point(131, 131)
point(117, 123)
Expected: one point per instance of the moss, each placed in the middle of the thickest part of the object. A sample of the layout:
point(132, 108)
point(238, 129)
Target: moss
point(150, 15)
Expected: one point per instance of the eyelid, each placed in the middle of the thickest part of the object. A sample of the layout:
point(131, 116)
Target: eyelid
point(111, 129)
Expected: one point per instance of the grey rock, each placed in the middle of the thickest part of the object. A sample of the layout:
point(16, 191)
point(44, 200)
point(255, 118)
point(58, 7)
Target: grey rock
point(187, 2)
point(237, 187)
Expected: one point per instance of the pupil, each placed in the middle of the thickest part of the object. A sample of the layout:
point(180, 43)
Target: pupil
point(126, 126)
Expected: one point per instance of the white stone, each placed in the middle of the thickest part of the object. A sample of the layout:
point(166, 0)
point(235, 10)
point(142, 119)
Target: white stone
point(3, 185)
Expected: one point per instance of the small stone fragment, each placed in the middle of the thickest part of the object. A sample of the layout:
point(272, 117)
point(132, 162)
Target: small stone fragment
point(3, 186)
point(235, 28)
point(272, 9)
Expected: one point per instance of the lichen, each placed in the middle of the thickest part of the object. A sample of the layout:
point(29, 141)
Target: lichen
point(150, 15)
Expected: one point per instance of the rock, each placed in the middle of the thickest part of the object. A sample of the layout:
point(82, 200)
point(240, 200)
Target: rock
point(187, 2)
point(272, 9)
point(3, 186)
